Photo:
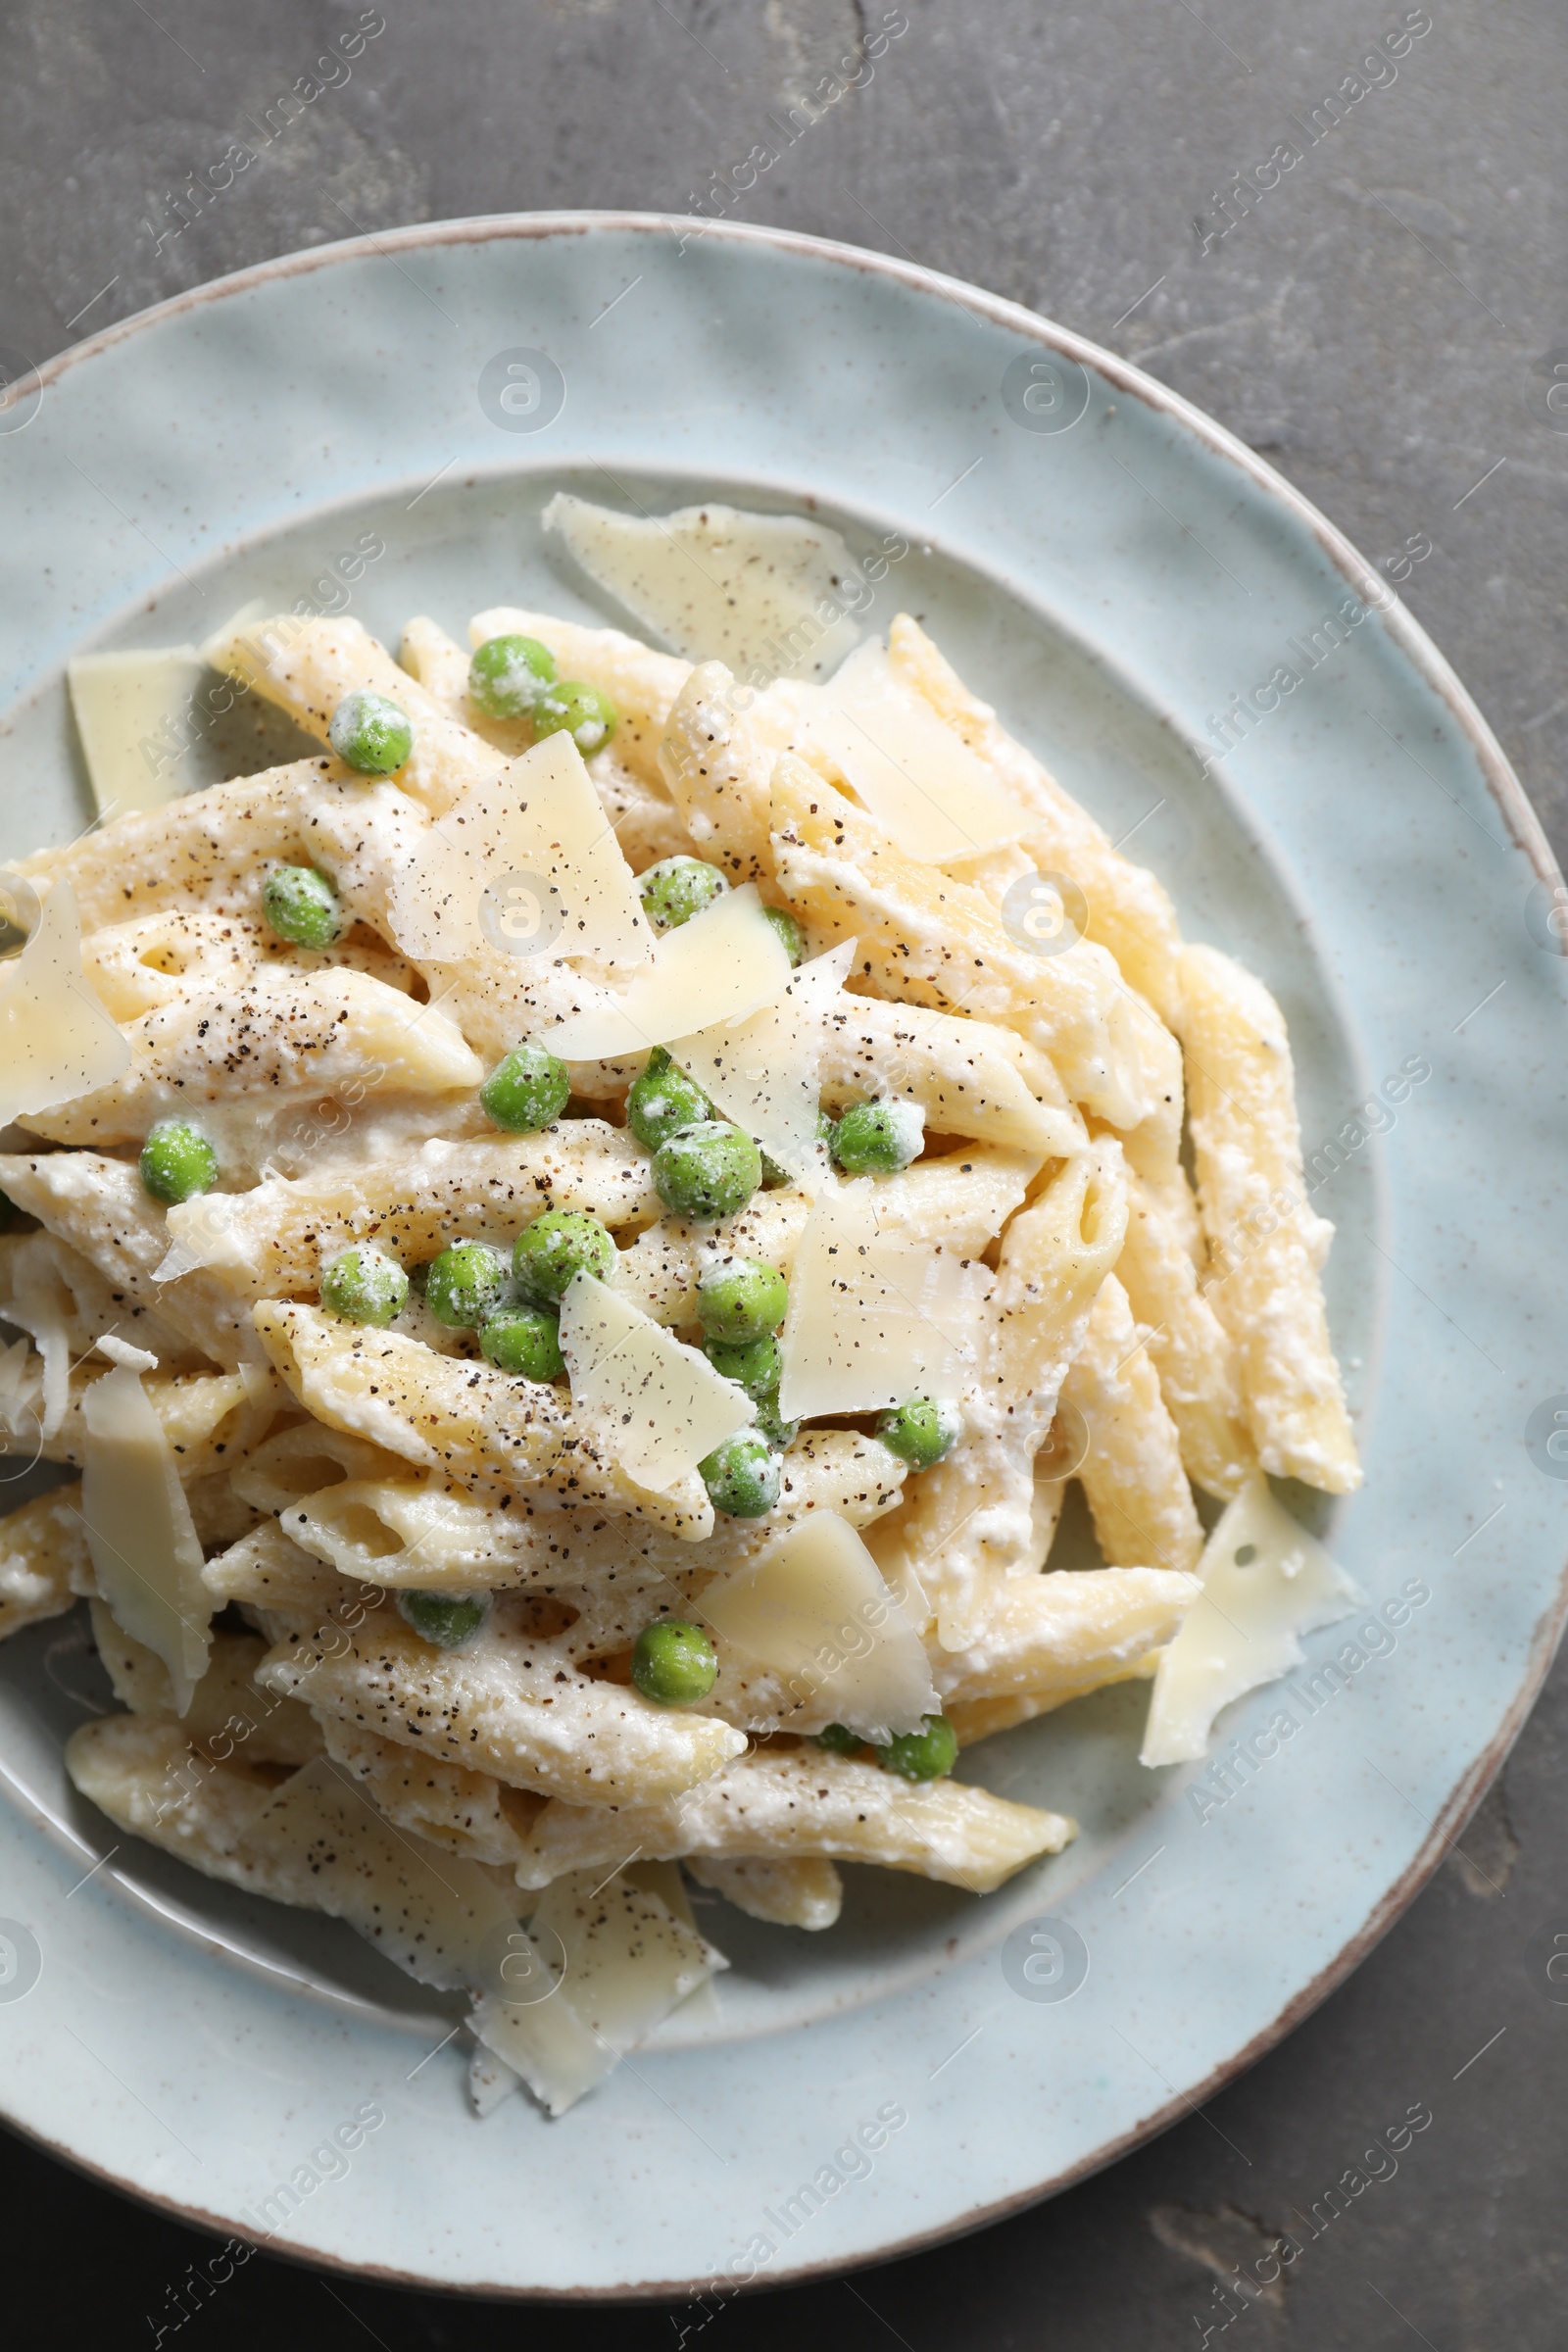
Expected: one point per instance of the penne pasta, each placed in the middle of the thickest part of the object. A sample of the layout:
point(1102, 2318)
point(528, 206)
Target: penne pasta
point(1190, 1349)
point(799, 1801)
point(788, 1891)
point(1266, 1245)
point(1129, 913)
point(516, 1588)
point(44, 1561)
point(1132, 1475)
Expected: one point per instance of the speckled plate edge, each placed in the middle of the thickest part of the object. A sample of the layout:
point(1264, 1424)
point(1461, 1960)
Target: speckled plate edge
point(1523, 826)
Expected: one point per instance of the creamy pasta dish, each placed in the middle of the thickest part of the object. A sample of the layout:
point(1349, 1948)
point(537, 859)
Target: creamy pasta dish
point(574, 1240)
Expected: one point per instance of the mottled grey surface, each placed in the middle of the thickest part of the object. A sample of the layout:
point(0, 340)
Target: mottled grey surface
point(1379, 322)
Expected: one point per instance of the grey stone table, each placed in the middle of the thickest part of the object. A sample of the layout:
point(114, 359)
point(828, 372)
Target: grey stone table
point(1381, 322)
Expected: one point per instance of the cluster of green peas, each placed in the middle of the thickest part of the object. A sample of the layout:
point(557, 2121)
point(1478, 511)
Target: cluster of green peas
point(508, 677)
point(705, 1169)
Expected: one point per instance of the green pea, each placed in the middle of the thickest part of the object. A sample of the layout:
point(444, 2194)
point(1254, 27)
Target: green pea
point(177, 1161)
point(706, 1172)
point(839, 1740)
point(581, 711)
point(507, 675)
point(921, 1431)
point(526, 1089)
point(875, 1139)
point(302, 906)
point(370, 733)
point(742, 1477)
point(741, 1301)
point(676, 889)
point(465, 1285)
point(364, 1284)
point(561, 1243)
point(790, 937)
point(663, 1099)
point(674, 1663)
point(446, 1619)
point(756, 1364)
point(928, 1754)
point(526, 1340)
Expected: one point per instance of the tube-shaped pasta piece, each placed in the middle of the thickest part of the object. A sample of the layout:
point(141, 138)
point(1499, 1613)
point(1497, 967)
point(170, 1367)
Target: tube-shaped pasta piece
point(211, 849)
point(432, 1534)
point(1050, 1637)
point(641, 683)
point(292, 1037)
point(278, 1237)
point(932, 941)
point(65, 1305)
point(1190, 1348)
point(807, 1802)
point(143, 1773)
point(209, 1419)
point(467, 1812)
point(227, 1715)
point(788, 1891)
point(1129, 912)
point(976, 1719)
point(307, 667)
point(718, 774)
point(512, 1706)
point(44, 1561)
point(969, 1077)
point(975, 1512)
point(316, 1842)
point(1136, 1489)
point(444, 1412)
point(1265, 1243)
point(104, 1211)
point(265, 1571)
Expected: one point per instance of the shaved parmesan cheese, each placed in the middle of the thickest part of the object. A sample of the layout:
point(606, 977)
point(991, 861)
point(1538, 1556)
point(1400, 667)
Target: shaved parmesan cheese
point(434, 1914)
point(537, 825)
point(56, 1039)
point(763, 1073)
point(919, 780)
point(1265, 1582)
point(873, 1317)
point(816, 1610)
point(658, 1405)
point(622, 1962)
point(130, 712)
point(726, 962)
point(145, 1552)
point(720, 584)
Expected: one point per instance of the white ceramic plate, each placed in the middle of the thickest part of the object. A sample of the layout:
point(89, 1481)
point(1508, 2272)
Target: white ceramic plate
point(1112, 570)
